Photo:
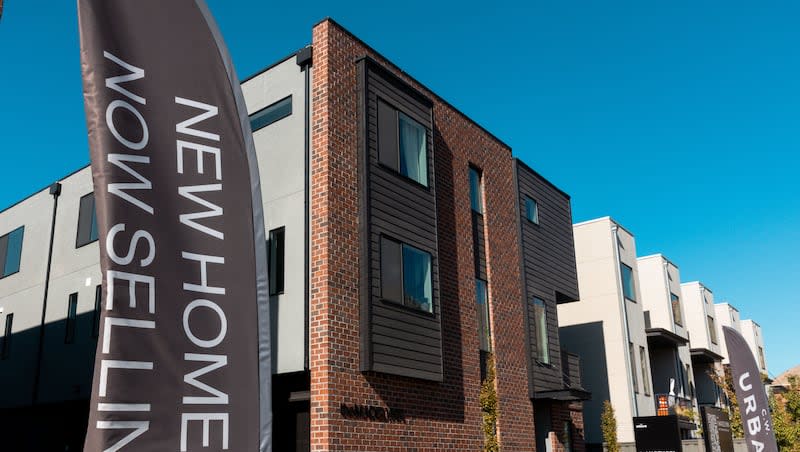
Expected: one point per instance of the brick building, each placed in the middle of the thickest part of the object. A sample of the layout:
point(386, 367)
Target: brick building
point(407, 247)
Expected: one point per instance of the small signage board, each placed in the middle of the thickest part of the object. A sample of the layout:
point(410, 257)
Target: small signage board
point(657, 434)
point(717, 430)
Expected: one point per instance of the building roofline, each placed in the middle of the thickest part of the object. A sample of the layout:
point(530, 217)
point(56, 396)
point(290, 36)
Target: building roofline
point(430, 92)
point(658, 255)
point(539, 175)
point(606, 218)
point(752, 321)
point(696, 283)
point(45, 188)
point(727, 304)
point(271, 66)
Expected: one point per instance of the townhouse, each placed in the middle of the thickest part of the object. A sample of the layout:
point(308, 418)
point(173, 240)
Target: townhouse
point(408, 251)
point(698, 300)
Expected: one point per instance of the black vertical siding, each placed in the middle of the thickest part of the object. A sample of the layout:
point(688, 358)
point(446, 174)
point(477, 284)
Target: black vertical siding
point(395, 339)
point(548, 269)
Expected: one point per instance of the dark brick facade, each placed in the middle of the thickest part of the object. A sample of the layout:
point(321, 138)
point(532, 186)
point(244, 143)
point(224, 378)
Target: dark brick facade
point(435, 415)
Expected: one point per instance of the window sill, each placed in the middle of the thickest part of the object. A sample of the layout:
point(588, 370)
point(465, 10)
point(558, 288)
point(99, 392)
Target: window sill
point(410, 309)
point(402, 176)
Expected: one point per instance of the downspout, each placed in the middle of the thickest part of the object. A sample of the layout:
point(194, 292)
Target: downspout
point(304, 59)
point(55, 190)
point(624, 309)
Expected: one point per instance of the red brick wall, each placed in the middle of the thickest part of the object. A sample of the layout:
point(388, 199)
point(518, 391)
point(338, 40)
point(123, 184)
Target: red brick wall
point(567, 411)
point(438, 416)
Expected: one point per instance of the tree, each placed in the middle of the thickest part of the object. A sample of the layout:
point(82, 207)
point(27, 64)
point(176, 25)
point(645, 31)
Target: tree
point(724, 381)
point(608, 424)
point(488, 400)
point(786, 416)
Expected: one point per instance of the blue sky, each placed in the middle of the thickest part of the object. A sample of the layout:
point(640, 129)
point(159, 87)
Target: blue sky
point(679, 119)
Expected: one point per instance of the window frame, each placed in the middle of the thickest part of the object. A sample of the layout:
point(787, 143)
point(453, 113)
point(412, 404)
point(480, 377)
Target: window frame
point(83, 241)
point(542, 335)
point(675, 300)
point(632, 357)
point(476, 183)
point(257, 115)
point(529, 200)
point(98, 306)
point(402, 267)
point(277, 279)
point(72, 318)
point(645, 373)
point(712, 329)
point(484, 316)
point(4, 242)
point(622, 267)
point(8, 333)
point(388, 158)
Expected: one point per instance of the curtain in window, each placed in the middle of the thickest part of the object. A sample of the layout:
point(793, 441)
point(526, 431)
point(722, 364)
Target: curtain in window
point(413, 152)
point(417, 279)
point(542, 346)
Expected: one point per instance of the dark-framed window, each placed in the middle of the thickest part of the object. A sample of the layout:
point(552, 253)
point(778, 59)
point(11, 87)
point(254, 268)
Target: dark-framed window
point(761, 361)
point(712, 330)
point(402, 143)
point(632, 357)
point(271, 113)
point(475, 190)
point(540, 320)
point(277, 260)
point(72, 316)
point(98, 305)
point(531, 210)
point(677, 315)
point(7, 334)
point(628, 282)
point(11, 252)
point(406, 275)
point(484, 325)
point(87, 221)
point(645, 371)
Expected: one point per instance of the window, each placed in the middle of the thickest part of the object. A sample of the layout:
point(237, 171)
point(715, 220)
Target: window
point(72, 311)
point(271, 113)
point(676, 309)
point(484, 328)
point(531, 210)
point(632, 357)
point(87, 221)
point(761, 361)
point(98, 300)
point(406, 275)
point(712, 330)
point(540, 319)
point(475, 194)
point(645, 372)
point(277, 256)
point(7, 336)
point(11, 252)
point(402, 143)
point(628, 284)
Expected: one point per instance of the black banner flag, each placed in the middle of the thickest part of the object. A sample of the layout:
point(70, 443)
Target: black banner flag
point(750, 393)
point(183, 357)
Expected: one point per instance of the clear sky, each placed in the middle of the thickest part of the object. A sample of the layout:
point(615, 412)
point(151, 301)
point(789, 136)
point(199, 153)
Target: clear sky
point(680, 119)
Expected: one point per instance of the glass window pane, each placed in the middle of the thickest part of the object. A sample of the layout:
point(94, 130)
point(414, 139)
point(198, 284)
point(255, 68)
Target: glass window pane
point(645, 372)
point(676, 309)
point(13, 252)
point(712, 330)
point(632, 357)
point(93, 229)
point(72, 310)
point(484, 328)
point(277, 246)
point(417, 285)
point(542, 345)
point(628, 285)
point(413, 150)
point(531, 210)
point(7, 336)
point(475, 195)
point(270, 114)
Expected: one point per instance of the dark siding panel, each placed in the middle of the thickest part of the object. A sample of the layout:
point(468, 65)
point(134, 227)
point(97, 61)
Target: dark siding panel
point(549, 268)
point(399, 340)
